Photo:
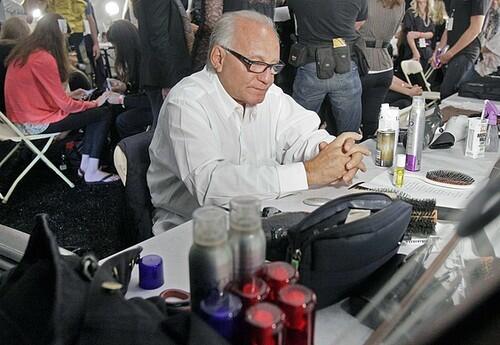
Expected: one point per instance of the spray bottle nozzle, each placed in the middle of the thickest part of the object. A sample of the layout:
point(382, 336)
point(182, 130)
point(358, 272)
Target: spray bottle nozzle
point(491, 112)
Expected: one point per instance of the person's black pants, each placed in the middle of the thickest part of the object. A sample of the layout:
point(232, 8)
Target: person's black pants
point(375, 87)
point(96, 122)
point(396, 99)
point(456, 71)
point(156, 100)
point(97, 64)
point(133, 121)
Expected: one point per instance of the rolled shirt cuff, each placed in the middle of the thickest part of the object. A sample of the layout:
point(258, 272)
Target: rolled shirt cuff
point(292, 177)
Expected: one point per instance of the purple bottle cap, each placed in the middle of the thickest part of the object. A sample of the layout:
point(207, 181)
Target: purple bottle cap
point(150, 272)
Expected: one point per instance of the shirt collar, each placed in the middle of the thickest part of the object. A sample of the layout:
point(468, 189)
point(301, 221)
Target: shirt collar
point(228, 103)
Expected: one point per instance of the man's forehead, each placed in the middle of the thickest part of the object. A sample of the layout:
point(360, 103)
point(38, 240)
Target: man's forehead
point(256, 41)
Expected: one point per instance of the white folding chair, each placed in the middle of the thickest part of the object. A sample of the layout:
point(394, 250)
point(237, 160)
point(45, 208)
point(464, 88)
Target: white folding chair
point(410, 67)
point(9, 132)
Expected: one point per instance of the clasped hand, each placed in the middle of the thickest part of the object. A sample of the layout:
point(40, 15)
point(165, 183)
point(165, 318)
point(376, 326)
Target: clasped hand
point(339, 160)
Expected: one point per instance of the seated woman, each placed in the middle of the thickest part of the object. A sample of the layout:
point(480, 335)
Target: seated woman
point(135, 111)
point(400, 93)
point(13, 29)
point(417, 32)
point(37, 102)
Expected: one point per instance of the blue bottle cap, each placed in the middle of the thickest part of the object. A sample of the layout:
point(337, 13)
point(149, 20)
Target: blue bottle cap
point(150, 272)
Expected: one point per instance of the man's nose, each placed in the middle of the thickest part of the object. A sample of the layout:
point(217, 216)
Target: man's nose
point(266, 77)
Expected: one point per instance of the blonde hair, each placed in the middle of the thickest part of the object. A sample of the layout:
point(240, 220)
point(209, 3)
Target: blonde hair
point(430, 9)
point(440, 14)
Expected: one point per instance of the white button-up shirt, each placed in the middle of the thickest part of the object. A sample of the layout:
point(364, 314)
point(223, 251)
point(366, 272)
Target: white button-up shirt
point(207, 148)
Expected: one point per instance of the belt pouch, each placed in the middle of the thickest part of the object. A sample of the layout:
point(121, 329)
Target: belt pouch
point(325, 62)
point(298, 55)
point(342, 58)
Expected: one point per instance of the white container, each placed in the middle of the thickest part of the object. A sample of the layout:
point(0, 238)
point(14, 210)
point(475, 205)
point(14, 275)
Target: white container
point(476, 138)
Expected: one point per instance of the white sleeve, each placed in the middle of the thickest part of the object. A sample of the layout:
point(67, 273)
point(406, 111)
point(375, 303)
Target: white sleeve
point(210, 177)
point(298, 134)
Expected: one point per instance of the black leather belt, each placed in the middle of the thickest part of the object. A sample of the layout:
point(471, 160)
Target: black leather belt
point(377, 44)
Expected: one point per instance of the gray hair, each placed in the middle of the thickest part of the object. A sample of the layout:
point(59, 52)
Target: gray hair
point(224, 29)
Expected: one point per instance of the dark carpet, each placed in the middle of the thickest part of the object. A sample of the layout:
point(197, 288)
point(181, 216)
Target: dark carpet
point(83, 218)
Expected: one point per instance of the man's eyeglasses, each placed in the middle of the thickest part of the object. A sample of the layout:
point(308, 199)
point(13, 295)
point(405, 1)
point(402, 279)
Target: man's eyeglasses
point(257, 66)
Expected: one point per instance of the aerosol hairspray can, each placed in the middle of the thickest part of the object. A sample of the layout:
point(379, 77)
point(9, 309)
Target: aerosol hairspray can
point(246, 237)
point(415, 138)
point(210, 257)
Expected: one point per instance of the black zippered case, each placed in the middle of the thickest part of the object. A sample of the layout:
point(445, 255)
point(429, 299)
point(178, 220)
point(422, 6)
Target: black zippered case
point(333, 257)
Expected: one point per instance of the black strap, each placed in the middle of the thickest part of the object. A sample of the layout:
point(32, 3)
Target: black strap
point(377, 44)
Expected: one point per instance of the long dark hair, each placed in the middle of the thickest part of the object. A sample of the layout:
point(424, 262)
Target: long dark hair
point(46, 36)
point(125, 38)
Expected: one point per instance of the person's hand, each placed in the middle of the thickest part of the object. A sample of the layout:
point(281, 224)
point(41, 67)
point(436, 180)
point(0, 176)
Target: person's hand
point(117, 85)
point(446, 57)
point(164, 92)
point(416, 56)
point(78, 94)
point(330, 164)
point(357, 153)
point(415, 90)
point(115, 98)
point(102, 98)
point(96, 51)
point(433, 60)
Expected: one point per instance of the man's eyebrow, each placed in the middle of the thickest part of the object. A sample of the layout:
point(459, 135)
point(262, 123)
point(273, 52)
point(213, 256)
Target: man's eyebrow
point(260, 58)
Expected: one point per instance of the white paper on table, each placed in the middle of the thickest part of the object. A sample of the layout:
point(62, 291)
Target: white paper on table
point(416, 188)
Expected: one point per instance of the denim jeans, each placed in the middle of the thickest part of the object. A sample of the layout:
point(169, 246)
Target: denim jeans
point(456, 72)
point(343, 91)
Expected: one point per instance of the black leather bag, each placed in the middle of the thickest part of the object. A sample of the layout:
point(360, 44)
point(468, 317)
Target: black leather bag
point(335, 257)
point(54, 299)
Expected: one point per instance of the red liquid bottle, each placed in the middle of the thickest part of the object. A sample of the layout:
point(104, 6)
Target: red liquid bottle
point(298, 303)
point(264, 325)
point(278, 275)
point(251, 291)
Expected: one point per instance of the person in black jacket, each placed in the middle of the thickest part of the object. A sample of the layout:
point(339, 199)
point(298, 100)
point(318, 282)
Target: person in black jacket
point(165, 54)
point(134, 114)
point(13, 29)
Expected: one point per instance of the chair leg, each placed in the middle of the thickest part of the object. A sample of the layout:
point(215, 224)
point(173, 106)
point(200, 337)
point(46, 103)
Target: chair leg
point(18, 179)
point(10, 154)
point(39, 155)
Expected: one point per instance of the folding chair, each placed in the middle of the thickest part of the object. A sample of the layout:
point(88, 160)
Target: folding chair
point(410, 67)
point(9, 132)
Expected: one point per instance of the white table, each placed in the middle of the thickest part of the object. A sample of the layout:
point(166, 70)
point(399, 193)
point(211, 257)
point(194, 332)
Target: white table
point(174, 245)
point(467, 103)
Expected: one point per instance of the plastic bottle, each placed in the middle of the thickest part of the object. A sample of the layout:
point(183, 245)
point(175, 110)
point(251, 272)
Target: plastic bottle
point(210, 258)
point(416, 130)
point(399, 170)
point(492, 134)
point(246, 237)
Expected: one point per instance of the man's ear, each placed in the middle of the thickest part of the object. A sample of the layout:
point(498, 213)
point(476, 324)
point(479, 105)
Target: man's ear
point(217, 58)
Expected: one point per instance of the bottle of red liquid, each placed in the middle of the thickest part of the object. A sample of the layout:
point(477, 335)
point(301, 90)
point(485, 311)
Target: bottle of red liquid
point(264, 325)
point(251, 291)
point(278, 275)
point(298, 303)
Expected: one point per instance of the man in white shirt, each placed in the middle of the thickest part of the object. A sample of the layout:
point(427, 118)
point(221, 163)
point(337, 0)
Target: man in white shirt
point(228, 130)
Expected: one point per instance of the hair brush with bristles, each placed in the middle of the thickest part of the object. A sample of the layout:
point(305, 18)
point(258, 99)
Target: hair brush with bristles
point(445, 178)
point(423, 216)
